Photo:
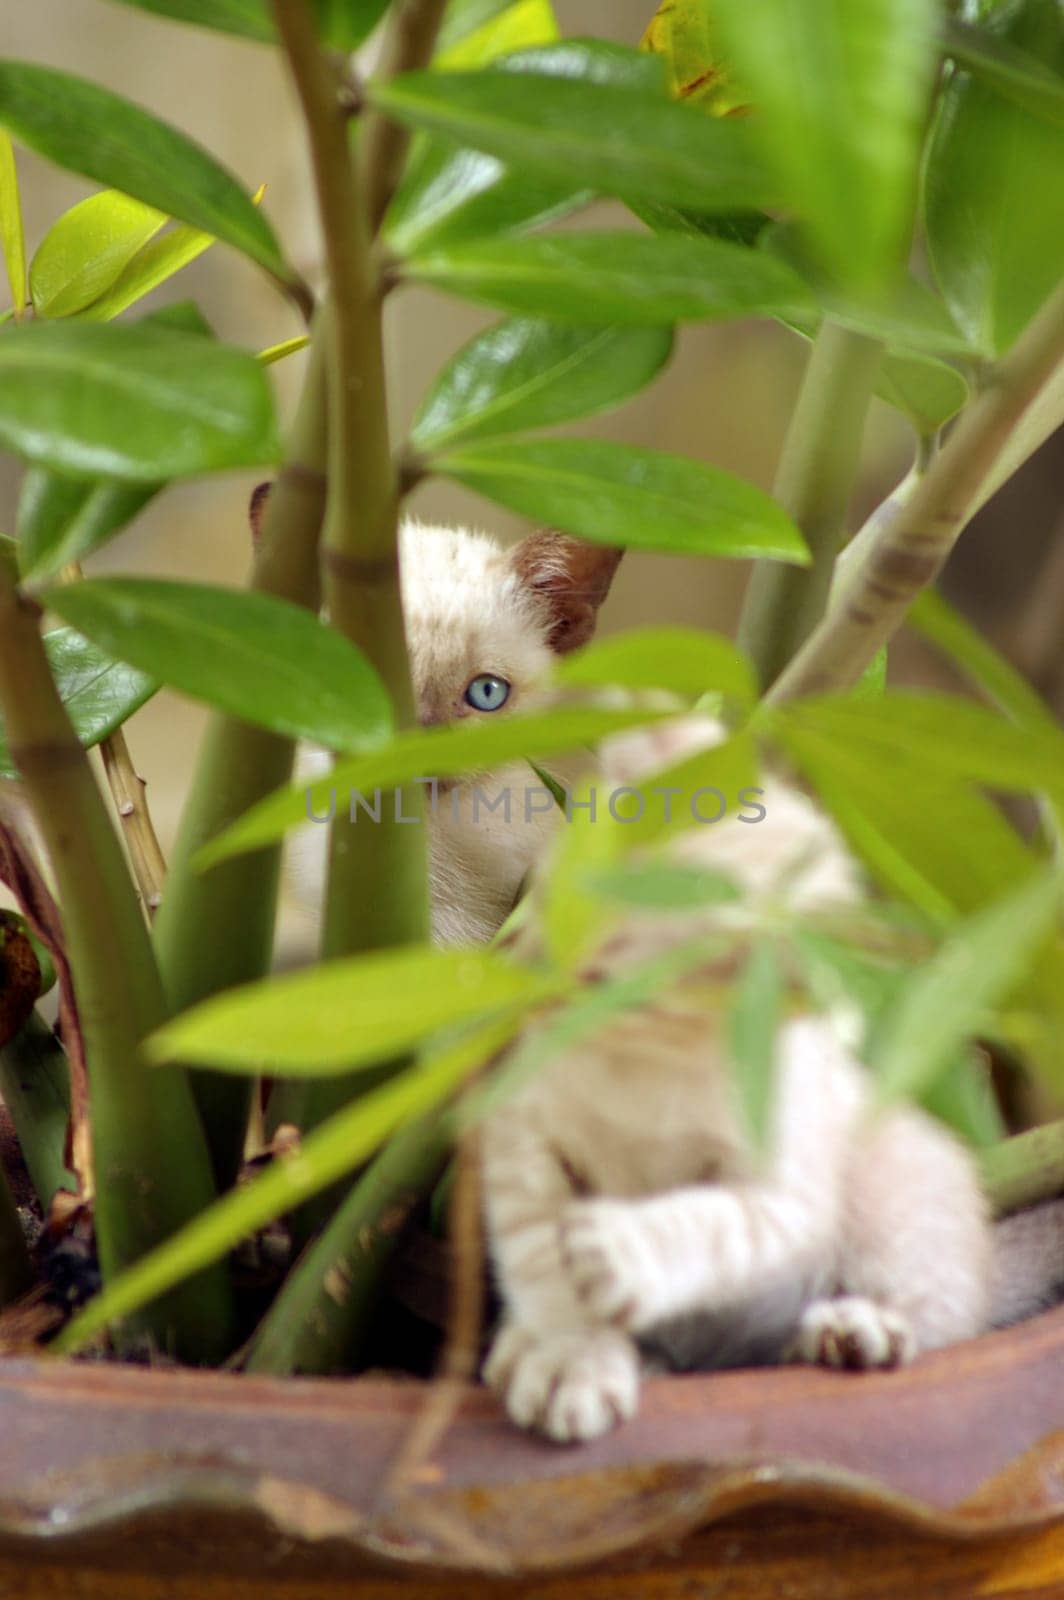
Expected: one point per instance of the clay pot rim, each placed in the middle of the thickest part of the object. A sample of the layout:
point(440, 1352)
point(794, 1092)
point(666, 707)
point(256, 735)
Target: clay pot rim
point(966, 1444)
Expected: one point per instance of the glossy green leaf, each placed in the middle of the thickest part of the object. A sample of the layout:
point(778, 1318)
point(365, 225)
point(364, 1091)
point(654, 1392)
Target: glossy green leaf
point(962, 1096)
point(252, 655)
point(840, 92)
point(619, 494)
point(87, 249)
point(1015, 74)
point(616, 140)
point(141, 404)
point(476, 32)
point(531, 373)
point(12, 242)
point(993, 199)
point(661, 886)
point(616, 277)
point(599, 61)
point(441, 752)
point(248, 19)
point(326, 1155)
point(348, 1014)
point(60, 520)
point(345, 24)
point(102, 136)
point(945, 1001)
point(159, 260)
point(99, 692)
point(685, 660)
point(754, 1021)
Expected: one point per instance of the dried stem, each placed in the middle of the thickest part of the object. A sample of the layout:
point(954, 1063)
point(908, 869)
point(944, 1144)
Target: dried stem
point(814, 483)
point(152, 1169)
point(408, 45)
point(16, 1273)
point(912, 548)
point(128, 790)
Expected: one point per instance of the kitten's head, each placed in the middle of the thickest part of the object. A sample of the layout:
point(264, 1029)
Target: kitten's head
point(484, 624)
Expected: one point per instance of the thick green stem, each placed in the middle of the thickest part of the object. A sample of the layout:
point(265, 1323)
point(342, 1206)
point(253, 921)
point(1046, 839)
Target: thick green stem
point(16, 1271)
point(912, 548)
point(314, 1324)
point(1025, 1169)
point(35, 1088)
point(151, 1165)
point(377, 886)
point(215, 929)
point(409, 43)
point(814, 483)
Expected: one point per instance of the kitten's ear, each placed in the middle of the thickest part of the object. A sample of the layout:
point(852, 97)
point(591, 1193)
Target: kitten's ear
point(572, 577)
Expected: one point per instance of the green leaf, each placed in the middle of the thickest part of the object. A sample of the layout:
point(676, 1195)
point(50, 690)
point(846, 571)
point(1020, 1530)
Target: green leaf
point(349, 1014)
point(99, 693)
point(96, 133)
point(926, 837)
point(755, 1018)
point(450, 195)
point(345, 24)
point(157, 262)
point(945, 1001)
point(617, 277)
point(684, 34)
point(993, 200)
point(252, 655)
point(840, 91)
point(138, 403)
point(476, 32)
point(326, 1155)
point(248, 19)
point(12, 243)
point(279, 352)
point(618, 494)
point(984, 666)
point(613, 139)
point(60, 520)
point(962, 1096)
point(531, 373)
point(661, 886)
point(685, 660)
point(443, 752)
point(927, 391)
point(85, 252)
point(1015, 74)
point(695, 792)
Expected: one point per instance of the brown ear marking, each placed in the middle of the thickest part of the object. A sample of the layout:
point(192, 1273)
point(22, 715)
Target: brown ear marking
point(572, 576)
point(257, 509)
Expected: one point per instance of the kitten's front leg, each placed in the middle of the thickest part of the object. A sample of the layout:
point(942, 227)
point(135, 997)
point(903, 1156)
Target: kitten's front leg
point(554, 1368)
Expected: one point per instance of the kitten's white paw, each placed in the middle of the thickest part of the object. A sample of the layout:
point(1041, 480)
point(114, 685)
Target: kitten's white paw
point(613, 1265)
point(570, 1386)
point(856, 1333)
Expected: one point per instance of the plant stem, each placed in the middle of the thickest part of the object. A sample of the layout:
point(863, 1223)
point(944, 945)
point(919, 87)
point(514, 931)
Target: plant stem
point(912, 548)
point(151, 1163)
point(377, 885)
point(1025, 1169)
point(128, 789)
point(814, 483)
point(314, 1324)
point(16, 1272)
point(408, 45)
point(35, 1088)
point(214, 930)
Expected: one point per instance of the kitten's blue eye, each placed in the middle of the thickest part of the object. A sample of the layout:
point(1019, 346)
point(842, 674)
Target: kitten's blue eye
point(487, 693)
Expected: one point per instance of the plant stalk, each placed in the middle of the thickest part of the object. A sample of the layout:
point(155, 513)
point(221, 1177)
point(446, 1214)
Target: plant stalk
point(35, 1088)
point(814, 483)
point(215, 930)
point(912, 548)
point(151, 1163)
point(314, 1324)
point(409, 43)
point(1025, 1169)
point(128, 790)
point(377, 884)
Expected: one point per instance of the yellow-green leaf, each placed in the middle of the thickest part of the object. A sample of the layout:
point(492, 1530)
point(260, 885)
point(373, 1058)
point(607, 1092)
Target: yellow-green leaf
point(11, 238)
point(87, 249)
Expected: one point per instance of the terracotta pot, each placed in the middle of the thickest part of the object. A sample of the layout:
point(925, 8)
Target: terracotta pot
point(944, 1480)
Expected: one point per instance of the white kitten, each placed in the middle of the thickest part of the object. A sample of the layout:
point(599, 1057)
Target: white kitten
point(628, 1211)
point(484, 625)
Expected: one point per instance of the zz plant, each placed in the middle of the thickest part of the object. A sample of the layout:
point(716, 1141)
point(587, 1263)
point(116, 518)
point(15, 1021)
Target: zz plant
point(785, 160)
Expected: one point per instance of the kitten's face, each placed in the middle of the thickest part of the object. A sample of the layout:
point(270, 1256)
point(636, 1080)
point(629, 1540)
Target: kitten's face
point(484, 624)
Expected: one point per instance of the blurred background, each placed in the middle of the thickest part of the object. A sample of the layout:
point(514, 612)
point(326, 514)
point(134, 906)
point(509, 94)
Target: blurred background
point(725, 397)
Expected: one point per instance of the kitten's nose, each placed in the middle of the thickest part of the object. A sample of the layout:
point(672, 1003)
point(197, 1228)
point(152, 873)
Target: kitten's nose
point(430, 719)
